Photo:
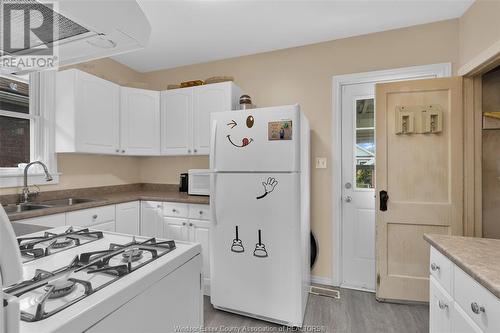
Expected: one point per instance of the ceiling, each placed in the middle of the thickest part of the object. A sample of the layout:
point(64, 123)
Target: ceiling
point(196, 31)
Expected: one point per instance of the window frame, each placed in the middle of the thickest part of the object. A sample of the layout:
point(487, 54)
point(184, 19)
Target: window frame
point(42, 133)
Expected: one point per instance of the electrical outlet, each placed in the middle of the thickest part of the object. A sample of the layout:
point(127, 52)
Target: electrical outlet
point(320, 162)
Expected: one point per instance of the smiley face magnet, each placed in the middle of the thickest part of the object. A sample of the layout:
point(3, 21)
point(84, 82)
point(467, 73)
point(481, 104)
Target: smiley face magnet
point(245, 141)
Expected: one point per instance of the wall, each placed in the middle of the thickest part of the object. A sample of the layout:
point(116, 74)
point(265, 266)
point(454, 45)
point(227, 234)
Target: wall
point(304, 75)
point(491, 158)
point(479, 29)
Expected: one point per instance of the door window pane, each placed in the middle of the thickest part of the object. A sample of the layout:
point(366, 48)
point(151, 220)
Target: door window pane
point(365, 173)
point(365, 113)
point(14, 141)
point(365, 144)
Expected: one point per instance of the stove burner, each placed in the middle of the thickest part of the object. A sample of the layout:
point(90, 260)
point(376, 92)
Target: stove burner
point(61, 243)
point(132, 255)
point(60, 288)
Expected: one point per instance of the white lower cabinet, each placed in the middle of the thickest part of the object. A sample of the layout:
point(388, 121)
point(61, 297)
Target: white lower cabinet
point(190, 230)
point(457, 302)
point(151, 218)
point(55, 220)
point(128, 218)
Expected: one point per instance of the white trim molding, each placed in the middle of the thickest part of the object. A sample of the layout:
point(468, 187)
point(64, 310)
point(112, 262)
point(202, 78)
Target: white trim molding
point(338, 81)
point(486, 56)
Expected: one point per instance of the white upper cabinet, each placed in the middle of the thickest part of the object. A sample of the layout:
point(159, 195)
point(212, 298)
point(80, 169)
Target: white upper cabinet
point(139, 121)
point(177, 112)
point(186, 116)
point(87, 113)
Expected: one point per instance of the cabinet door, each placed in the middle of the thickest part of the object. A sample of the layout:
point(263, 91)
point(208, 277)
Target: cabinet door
point(98, 115)
point(127, 218)
point(461, 323)
point(140, 121)
point(151, 212)
point(175, 228)
point(56, 220)
point(208, 99)
point(176, 121)
point(440, 308)
point(108, 226)
point(200, 233)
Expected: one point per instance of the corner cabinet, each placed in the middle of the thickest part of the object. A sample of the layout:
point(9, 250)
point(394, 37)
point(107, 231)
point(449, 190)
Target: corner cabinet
point(186, 116)
point(139, 121)
point(87, 113)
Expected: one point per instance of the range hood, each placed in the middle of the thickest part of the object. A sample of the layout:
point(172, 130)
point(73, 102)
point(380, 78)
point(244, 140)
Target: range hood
point(87, 30)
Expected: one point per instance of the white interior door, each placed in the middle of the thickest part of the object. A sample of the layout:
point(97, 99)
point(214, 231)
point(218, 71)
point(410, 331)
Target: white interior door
point(358, 187)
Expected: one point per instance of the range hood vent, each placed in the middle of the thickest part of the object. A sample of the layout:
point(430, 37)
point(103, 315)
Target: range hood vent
point(63, 26)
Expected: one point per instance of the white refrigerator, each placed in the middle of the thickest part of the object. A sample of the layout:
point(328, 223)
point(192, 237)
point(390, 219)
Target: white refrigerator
point(259, 197)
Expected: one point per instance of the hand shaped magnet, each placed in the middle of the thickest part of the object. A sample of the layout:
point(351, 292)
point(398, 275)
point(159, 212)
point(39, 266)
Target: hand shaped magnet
point(269, 186)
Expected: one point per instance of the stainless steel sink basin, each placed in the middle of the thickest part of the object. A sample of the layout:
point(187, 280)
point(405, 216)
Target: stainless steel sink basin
point(24, 207)
point(67, 202)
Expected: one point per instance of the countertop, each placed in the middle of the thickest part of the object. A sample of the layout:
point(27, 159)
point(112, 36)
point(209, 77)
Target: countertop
point(478, 257)
point(118, 195)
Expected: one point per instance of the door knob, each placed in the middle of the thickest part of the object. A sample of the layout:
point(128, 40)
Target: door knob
point(348, 198)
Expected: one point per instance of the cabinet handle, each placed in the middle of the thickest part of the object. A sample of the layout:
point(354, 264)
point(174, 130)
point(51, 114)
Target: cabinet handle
point(118, 150)
point(201, 212)
point(174, 210)
point(189, 151)
point(183, 223)
point(442, 305)
point(94, 216)
point(159, 206)
point(190, 224)
point(123, 151)
point(195, 150)
point(476, 308)
point(435, 267)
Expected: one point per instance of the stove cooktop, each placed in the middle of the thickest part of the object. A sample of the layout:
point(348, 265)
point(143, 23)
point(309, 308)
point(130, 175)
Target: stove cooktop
point(49, 291)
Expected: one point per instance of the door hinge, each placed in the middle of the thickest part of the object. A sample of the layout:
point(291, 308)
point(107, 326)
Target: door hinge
point(378, 279)
point(200, 282)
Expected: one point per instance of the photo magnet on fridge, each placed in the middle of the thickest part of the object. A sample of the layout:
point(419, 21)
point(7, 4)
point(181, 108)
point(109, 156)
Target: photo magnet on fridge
point(269, 186)
point(279, 130)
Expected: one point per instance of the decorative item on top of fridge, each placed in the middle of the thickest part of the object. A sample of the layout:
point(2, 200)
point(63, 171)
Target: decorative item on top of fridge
point(246, 102)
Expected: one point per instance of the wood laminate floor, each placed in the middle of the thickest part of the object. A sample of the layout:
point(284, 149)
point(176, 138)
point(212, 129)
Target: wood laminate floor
point(354, 312)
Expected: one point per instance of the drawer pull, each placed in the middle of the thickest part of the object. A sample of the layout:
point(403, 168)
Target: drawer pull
point(201, 212)
point(435, 267)
point(183, 223)
point(94, 216)
point(190, 224)
point(476, 308)
point(442, 305)
point(174, 210)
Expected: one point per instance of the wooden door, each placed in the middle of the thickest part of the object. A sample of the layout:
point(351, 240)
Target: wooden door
point(176, 120)
point(140, 121)
point(423, 176)
point(98, 117)
point(208, 99)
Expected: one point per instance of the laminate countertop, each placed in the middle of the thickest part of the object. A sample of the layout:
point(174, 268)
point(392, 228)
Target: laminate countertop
point(478, 257)
point(116, 196)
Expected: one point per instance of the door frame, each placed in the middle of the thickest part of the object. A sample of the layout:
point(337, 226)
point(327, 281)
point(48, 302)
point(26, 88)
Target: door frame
point(338, 82)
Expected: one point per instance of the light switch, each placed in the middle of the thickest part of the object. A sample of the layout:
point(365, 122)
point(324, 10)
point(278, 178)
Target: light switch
point(320, 162)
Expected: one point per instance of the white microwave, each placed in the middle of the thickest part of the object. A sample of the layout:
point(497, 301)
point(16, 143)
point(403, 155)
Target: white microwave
point(199, 182)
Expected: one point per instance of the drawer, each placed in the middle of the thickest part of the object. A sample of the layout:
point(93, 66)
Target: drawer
point(441, 268)
point(440, 308)
point(199, 212)
point(477, 302)
point(91, 216)
point(55, 220)
point(175, 209)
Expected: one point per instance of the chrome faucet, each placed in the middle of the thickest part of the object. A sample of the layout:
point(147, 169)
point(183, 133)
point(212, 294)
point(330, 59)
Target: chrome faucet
point(26, 191)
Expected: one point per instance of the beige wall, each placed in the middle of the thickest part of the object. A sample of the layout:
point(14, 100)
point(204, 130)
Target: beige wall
point(298, 75)
point(479, 29)
point(304, 75)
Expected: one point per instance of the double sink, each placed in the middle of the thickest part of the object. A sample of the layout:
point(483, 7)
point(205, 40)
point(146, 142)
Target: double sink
point(23, 207)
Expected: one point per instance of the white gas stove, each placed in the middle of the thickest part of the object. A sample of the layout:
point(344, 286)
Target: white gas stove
point(78, 279)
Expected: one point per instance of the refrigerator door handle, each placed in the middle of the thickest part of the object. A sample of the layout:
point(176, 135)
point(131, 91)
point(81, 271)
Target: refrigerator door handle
point(213, 137)
point(213, 212)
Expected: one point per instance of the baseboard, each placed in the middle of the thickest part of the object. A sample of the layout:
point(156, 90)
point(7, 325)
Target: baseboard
point(322, 280)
